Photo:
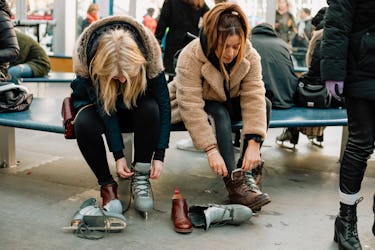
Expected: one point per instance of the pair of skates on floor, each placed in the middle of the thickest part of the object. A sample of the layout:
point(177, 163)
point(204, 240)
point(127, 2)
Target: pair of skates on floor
point(91, 217)
point(314, 134)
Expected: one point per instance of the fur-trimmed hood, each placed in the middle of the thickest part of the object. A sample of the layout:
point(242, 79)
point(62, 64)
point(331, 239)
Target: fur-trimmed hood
point(87, 43)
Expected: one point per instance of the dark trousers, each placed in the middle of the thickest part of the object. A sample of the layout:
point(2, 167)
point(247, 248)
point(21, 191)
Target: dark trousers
point(222, 120)
point(143, 120)
point(360, 146)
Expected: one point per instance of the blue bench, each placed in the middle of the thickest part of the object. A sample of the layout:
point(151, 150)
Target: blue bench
point(45, 115)
point(57, 77)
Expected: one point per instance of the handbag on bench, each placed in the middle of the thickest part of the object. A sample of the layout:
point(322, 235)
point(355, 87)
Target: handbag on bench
point(68, 115)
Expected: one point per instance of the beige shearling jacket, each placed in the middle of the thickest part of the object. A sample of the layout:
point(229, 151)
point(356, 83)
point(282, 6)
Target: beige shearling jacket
point(198, 80)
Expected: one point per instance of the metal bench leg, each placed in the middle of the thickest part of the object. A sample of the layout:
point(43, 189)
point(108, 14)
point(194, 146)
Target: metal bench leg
point(344, 140)
point(7, 147)
point(128, 151)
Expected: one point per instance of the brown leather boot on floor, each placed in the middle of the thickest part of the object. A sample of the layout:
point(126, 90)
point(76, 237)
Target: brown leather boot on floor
point(179, 215)
point(108, 192)
point(240, 193)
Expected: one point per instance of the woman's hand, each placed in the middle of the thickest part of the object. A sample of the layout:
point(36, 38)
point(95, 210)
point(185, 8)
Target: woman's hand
point(216, 162)
point(122, 168)
point(156, 169)
point(251, 158)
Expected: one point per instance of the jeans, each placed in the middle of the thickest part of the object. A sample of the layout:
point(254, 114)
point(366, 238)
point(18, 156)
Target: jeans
point(20, 71)
point(222, 121)
point(360, 146)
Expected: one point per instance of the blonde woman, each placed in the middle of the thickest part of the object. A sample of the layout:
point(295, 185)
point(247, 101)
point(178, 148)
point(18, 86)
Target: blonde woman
point(120, 73)
point(219, 81)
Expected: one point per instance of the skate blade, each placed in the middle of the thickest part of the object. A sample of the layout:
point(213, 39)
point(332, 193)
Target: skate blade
point(282, 145)
point(317, 144)
point(108, 225)
point(144, 214)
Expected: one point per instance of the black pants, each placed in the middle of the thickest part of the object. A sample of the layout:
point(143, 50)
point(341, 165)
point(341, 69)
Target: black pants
point(143, 120)
point(222, 120)
point(360, 146)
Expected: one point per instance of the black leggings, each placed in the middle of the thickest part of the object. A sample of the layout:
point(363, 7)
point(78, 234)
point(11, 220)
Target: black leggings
point(143, 120)
point(360, 146)
point(223, 128)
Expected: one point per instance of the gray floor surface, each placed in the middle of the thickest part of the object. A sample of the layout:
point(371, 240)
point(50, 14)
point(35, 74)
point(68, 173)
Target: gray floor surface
point(40, 195)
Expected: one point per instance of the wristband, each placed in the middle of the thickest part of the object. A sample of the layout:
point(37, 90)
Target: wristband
point(212, 152)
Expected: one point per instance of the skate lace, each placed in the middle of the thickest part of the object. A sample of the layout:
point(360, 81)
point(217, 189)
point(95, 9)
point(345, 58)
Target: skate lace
point(141, 185)
point(352, 226)
point(223, 223)
point(249, 180)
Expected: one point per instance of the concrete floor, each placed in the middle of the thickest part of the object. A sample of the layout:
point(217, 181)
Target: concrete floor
point(41, 194)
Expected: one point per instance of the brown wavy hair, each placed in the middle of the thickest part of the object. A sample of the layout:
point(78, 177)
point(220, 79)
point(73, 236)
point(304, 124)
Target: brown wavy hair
point(221, 22)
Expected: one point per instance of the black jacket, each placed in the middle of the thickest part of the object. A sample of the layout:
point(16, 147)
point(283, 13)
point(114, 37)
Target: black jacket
point(83, 89)
point(348, 46)
point(277, 66)
point(9, 48)
point(180, 18)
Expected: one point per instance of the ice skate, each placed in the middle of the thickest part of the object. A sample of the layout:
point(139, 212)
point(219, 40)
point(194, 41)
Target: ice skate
point(90, 217)
point(141, 189)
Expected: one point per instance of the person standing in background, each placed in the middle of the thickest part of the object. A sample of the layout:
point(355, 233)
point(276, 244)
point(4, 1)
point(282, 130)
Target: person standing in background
point(180, 16)
point(149, 21)
point(301, 40)
point(347, 68)
point(304, 29)
point(285, 25)
point(9, 48)
point(92, 16)
point(32, 61)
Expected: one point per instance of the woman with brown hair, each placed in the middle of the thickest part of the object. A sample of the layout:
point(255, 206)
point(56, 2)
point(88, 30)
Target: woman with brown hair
point(219, 81)
point(180, 16)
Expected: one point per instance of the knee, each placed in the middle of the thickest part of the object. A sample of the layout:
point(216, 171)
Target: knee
point(222, 120)
point(148, 110)
point(84, 127)
point(360, 148)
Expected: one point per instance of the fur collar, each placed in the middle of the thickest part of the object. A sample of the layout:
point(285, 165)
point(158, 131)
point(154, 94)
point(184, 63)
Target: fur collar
point(87, 43)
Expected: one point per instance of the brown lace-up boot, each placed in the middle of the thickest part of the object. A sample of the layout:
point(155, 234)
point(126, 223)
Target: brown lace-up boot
point(241, 193)
point(108, 192)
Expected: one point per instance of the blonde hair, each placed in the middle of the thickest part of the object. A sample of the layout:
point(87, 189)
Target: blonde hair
point(221, 22)
point(118, 53)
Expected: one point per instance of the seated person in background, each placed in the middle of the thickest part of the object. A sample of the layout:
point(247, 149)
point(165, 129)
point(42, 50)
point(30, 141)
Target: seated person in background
point(218, 81)
point(277, 66)
point(32, 61)
point(312, 76)
point(9, 48)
